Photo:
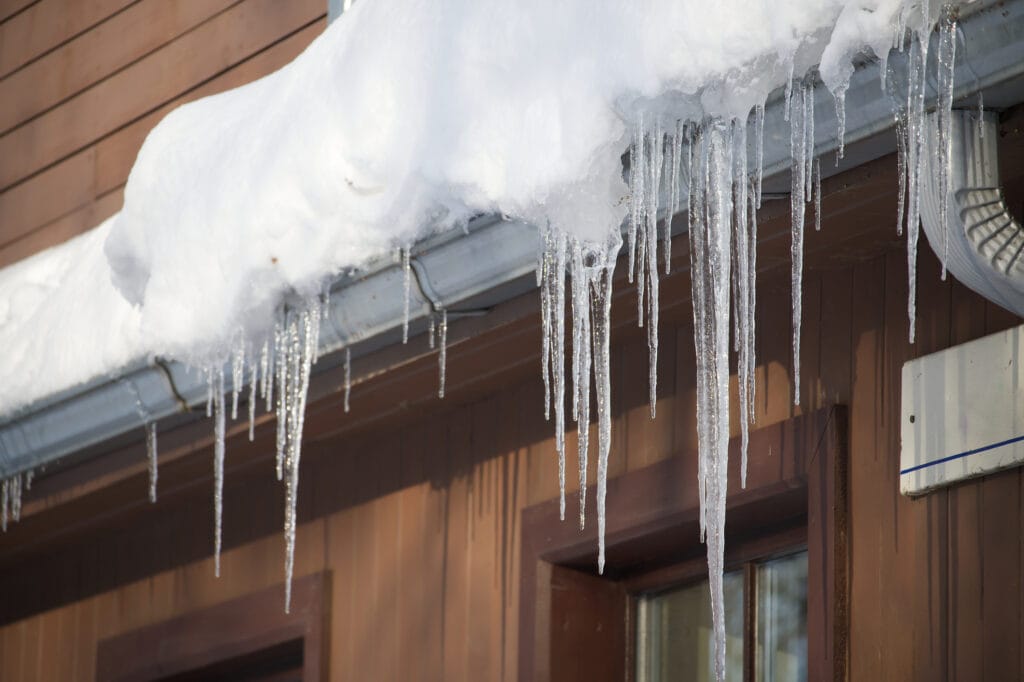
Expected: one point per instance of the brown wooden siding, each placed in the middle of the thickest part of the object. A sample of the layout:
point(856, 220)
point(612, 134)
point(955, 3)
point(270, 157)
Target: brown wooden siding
point(82, 83)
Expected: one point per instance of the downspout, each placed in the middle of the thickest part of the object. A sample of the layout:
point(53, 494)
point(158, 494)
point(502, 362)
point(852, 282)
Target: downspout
point(982, 241)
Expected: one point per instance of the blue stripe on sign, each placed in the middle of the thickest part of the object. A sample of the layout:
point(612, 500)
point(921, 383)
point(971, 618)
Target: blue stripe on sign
point(961, 455)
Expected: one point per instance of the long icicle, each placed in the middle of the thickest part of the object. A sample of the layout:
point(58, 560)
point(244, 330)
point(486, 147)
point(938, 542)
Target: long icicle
point(218, 468)
point(798, 144)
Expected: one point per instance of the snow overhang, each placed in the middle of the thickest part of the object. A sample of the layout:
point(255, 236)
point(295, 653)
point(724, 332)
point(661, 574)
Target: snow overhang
point(495, 259)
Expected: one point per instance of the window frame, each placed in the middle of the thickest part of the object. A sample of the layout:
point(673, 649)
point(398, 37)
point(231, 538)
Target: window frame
point(231, 630)
point(796, 479)
point(747, 556)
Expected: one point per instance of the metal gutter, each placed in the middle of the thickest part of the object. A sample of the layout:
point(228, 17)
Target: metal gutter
point(495, 259)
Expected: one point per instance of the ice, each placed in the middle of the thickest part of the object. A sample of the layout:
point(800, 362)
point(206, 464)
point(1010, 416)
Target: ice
point(817, 195)
point(442, 355)
point(406, 292)
point(915, 148)
point(218, 467)
point(237, 375)
point(711, 231)
point(946, 61)
point(151, 458)
point(348, 377)
point(254, 379)
point(840, 97)
point(798, 153)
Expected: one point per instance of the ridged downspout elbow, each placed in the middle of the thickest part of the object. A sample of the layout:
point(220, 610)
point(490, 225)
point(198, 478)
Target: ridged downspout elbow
point(984, 242)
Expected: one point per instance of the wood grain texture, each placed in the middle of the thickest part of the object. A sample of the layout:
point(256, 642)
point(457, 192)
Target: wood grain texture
point(73, 195)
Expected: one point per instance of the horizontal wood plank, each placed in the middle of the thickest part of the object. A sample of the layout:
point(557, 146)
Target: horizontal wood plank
point(45, 25)
point(41, 211)
point(150, 83)
point(96, 54)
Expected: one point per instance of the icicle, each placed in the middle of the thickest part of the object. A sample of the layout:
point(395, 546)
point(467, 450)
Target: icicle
point(281, 356)
point(218, 468)
point(946, 62)
point(442, 355)
point(431, 332)
point(651, 276)
point(901, 168)
point(5, 494)
point(787, 109)
point(710, 235)
point(798, 143)
point(16, 497)
point(759, 144)
point(348, 376)
point(673, 205)
point(741, 283)
point(752, 313)
point(558, 359)
point(266, 372)
point(151, 458)
point(637, 182)
point(547, 331)
point(915, 148)
point(808, 96)
point(29, 475)
point(303, 332)
point(582, 356)
point(237, 375)
point(840, 97)
point(817, 195)
point(406, 291)
point(254, 378)
point(209, 391)
point(602, 302)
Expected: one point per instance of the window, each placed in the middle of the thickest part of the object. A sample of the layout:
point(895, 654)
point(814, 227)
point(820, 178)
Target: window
point(787, 614)
point(765, 623)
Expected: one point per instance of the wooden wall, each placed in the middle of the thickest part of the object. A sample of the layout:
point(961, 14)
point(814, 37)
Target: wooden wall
point(83, 81)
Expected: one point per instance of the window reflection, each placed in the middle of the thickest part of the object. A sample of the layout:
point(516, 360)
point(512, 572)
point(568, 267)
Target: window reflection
point(675, 640)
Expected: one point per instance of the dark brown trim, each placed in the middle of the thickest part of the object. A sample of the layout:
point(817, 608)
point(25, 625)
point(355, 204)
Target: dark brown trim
point(797, 472)
point(235, 628)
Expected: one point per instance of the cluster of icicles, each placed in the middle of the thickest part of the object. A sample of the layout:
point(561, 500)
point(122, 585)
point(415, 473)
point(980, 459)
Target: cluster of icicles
point(277, 371)
point(10, 496)
point(707, 163)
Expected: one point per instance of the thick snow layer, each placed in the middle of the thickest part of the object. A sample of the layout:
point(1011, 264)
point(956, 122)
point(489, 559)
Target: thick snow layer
point(62, 322)
point(407, 117)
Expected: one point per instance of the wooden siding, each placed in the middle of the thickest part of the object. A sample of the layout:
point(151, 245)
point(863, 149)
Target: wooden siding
point(82, 83)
